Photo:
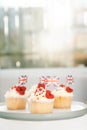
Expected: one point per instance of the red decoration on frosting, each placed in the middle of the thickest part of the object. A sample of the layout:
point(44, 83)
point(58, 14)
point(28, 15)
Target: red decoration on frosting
point(41, 89)
point(21, 89)
point(49, 94)
point(18, 88)
point(69, 90)
point(62, 85)
point(41, 85)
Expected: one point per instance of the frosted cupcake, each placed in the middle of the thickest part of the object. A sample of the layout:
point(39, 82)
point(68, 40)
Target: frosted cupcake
point(63, 96)
point(16, 98)
point(41, 101)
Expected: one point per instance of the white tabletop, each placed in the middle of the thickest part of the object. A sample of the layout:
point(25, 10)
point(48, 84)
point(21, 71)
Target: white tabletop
point(79, 123)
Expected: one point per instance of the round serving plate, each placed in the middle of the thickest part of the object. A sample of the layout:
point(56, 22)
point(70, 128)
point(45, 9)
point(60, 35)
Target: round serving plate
point(77, 109)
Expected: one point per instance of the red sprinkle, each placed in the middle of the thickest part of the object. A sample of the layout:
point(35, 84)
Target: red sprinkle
point(49, 95)
point(68, 89)
point(41, 85)
point(21, 92)
point(62, 85)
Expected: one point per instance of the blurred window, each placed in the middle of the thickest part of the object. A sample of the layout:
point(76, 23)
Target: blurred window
point(43, 34)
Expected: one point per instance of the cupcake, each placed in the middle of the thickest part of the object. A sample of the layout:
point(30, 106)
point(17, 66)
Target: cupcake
point(15, 98)
point(63, 97)
point(41, 100)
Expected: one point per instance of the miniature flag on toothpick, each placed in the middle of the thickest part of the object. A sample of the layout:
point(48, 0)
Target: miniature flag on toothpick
point(70, 79)
point(23, 79)
point(50, 80)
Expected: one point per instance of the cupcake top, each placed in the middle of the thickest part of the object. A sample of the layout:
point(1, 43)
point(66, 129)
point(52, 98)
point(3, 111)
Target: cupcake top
point(63, 90)
point(31, 90)
point(41, 94)
point(16, 91)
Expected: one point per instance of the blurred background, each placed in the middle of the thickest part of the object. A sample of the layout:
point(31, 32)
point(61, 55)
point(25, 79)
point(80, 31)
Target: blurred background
point(43, 33)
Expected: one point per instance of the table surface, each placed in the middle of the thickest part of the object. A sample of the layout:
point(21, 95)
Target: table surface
point(79, 123)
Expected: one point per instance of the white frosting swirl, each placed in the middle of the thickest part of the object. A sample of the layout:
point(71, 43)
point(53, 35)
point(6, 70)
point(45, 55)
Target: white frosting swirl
point(61, 91)
point(38, 96)
point(32, 90)
point(12, 93)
